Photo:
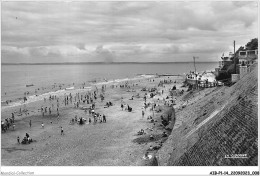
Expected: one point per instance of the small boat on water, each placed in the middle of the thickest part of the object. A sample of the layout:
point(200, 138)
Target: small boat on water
point(29, 85)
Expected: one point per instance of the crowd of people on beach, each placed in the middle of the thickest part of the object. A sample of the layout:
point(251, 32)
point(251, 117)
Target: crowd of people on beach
point(26, 139)
point(52, 107)
point(7, 123)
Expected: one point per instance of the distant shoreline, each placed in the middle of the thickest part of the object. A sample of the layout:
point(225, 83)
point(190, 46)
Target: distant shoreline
point(98, 63)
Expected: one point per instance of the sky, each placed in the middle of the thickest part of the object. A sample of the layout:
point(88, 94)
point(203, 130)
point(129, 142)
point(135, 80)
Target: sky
point(51, 32)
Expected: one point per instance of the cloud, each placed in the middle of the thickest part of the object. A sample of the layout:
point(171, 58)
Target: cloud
point(104, 54)
point(123, 31)
point(16, 50)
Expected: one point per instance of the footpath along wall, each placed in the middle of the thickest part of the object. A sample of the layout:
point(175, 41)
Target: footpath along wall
point(205, 140)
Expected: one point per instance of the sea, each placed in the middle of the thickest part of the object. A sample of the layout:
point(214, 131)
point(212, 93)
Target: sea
point(50, 79)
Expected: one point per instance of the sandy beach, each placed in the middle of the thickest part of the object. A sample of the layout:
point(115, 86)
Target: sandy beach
point(113, 143)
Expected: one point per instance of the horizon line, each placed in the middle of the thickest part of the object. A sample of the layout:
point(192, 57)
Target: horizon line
point(75, 63)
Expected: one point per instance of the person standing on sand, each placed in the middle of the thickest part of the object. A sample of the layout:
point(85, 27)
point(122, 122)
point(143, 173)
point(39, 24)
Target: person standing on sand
point(122, 106)
point(27, 135)
point(143, 114)
point(104, 118)
point(95, 120)
point(13, 116)
point(145, 106)
point(18, 140)
point(30, 123)
point(61, 131)
point(42, 111)
point(42, 125)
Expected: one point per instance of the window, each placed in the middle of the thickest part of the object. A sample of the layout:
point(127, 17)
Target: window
point(242, 53)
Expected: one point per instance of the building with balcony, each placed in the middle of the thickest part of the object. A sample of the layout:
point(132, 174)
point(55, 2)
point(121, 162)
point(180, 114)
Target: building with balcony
point(245, 60)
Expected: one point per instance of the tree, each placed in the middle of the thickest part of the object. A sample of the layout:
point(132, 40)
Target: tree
point(231, 69)
point(222, 76)
point(241, 48)
point(252, 45)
